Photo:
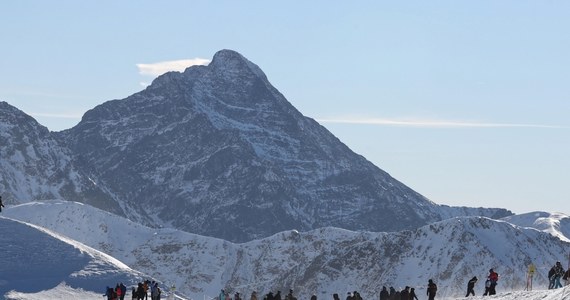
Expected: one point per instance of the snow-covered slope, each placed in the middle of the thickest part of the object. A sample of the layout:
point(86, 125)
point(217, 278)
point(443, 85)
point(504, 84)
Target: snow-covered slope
point(35, 259)
point(557, 224)
point(322, 261)
point(35, 166)
point(64, 293)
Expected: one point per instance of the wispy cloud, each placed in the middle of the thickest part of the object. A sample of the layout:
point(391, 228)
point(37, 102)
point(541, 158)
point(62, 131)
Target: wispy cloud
point(76, 116)
point(429, 123)
point(159, 68)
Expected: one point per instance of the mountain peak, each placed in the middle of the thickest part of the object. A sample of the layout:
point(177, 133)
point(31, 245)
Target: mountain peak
point(232, 62)
point(226, 54)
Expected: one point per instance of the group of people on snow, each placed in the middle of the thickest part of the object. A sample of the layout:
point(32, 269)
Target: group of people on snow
point(407, 293)
point(117, 293)
point(140, 292)
point(269, 296)
point(555, 274)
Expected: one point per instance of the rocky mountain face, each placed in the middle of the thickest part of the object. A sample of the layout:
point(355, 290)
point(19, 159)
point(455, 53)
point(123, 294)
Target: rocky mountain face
point(217, 150)
point(322, 261)
point(34, 166)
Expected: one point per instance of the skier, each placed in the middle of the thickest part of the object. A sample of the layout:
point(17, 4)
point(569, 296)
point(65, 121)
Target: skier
point(470, 286)
point(431, 290)
point(1, 205)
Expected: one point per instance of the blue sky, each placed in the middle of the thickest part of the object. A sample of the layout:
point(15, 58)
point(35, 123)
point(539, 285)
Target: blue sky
point(467, 102)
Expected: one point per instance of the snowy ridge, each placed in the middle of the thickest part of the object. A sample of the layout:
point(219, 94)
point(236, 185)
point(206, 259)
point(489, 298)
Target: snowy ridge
point(557, 224)
point(321, 261)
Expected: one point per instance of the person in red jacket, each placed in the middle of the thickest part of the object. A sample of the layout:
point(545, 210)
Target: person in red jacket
point(118, 292)
point(493, 278)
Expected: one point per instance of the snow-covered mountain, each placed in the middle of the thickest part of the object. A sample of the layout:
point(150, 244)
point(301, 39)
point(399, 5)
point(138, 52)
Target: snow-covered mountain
point(35, 259)
point(34, 166)
point(321, 262)
point(214, 150)
point(557, 224)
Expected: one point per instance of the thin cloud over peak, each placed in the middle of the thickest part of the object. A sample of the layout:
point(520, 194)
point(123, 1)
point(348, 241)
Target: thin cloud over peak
point(429, 123)
point(57, 115)
point(159, 68)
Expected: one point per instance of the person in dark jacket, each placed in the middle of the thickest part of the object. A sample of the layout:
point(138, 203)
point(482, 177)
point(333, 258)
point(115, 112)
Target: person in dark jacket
point(1, 205)
point(110, 293)
point(471, 286)
point(405, 293)
point(431, 290)
point(384, 295)
point(551, 278)
point(140, 292)
point(558, 273)
point(413, 294)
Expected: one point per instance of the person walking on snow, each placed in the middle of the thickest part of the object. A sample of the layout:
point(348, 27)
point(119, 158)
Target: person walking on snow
point(413, 294)
point(493, 278)
point(558, 273)
point(471, 286)
point(431, 290)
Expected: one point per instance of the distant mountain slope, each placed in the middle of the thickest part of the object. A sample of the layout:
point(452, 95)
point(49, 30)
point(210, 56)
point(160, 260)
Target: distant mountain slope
point(321, 261)
point(34, 259)
point(34, 166)
point(557, 224)
point(218, 151)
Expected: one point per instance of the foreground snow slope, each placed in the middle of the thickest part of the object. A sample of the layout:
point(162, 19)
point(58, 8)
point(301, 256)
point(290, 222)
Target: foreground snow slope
point(63, 292)
point(35, 259)
point(321, 261)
